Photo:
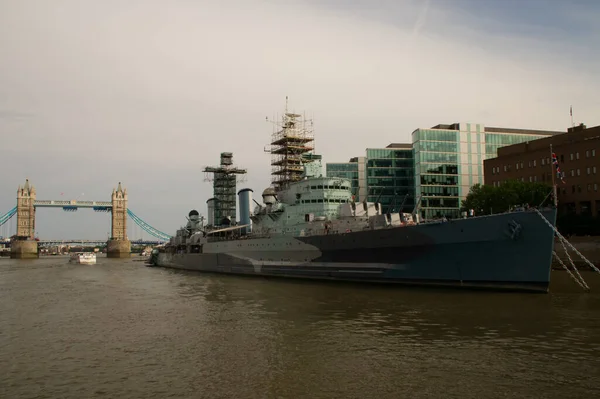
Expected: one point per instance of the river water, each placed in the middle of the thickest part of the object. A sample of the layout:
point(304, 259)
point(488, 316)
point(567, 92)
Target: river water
point(123, 330)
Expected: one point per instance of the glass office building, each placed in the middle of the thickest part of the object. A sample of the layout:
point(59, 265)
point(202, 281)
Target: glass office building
point(449, 160)
point(346, 170)
point(385, 175)
point(391, 177)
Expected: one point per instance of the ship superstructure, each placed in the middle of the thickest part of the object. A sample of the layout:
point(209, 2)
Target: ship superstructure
point(225, 178)
point(292, 139)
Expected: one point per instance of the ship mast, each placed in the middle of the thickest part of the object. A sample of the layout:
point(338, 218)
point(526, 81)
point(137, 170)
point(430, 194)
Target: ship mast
point(292, 139)
point(225, 179)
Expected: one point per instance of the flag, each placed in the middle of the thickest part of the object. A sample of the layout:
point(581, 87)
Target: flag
point(559, 174)
point(571, 110)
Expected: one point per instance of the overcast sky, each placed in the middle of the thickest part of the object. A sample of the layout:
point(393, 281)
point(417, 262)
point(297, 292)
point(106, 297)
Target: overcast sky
point(148, 92)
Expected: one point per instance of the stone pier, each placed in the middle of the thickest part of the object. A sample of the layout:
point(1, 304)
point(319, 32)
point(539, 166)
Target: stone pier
point(25, 249)
point(118, 248)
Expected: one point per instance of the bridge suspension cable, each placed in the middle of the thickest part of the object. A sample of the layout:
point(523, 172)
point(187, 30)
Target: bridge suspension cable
point(6, 217)
point(147, 228)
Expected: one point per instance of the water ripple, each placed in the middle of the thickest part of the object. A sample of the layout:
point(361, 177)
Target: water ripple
point(123, 330)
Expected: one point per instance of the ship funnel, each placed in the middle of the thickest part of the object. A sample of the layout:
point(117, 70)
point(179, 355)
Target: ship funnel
point(245, 199)
point(211, 211)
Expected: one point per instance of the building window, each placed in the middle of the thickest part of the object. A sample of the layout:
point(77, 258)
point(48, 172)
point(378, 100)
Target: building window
point(562, 158)
point(534, 178)
point(589, 187)
point(587, 153)
point(543, 161)
point(594, 170)
point(595, 186)
point(534, 163)
point(578, 172)
point(517, 165)
point(505, 168)
point(530, 164)
point(589, 171)
point(521, 164)
point(530, 179)
point(593, 153)
point(571, 156)
point(572, 172)
point(577, 155)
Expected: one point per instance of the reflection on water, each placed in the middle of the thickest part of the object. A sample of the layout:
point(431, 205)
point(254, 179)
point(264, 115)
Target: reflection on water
point(119, 329)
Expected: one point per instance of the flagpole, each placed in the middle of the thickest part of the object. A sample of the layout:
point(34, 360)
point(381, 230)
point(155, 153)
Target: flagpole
point(571, 112)
point(554, 193)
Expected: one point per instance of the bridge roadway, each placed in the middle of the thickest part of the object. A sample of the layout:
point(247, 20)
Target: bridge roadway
point(73, 205)
point(95, 242)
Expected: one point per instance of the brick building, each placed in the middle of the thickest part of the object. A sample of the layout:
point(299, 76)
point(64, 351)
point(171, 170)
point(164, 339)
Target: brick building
point(578, 154)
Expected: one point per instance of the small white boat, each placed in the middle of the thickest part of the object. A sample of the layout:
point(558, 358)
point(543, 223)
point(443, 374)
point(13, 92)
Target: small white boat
point(83, 258)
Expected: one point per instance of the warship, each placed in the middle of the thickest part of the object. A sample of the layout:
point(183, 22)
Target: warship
point(311, 226)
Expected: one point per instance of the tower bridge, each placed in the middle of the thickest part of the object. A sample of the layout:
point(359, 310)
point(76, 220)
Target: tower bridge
point(25, 245)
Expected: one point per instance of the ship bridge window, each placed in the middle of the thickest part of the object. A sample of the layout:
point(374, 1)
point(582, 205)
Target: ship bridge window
point(313, 201)
point(320, 201)
point(320, 187)
point(313, 187)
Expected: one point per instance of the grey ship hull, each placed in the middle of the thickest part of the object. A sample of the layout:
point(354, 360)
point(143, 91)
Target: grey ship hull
point(481, 252)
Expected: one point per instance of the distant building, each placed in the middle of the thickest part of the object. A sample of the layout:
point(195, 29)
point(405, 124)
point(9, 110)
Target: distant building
point(578, 155)
point(349, 170)
point(391, 177)
point(449, 161)
point(385, 175)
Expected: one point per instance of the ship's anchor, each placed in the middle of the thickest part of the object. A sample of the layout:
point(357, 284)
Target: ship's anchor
point(514, 230)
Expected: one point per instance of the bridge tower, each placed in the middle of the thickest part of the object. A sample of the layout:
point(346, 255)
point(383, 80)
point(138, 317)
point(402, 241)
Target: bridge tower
point(24, 245)
point(119, 246)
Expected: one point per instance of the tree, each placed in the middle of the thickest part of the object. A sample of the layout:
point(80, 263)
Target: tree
point(490, 199)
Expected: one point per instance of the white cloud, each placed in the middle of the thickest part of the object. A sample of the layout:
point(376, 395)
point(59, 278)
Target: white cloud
point(150, 92)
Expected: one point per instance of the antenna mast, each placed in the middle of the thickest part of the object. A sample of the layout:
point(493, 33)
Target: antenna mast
point(292, 139)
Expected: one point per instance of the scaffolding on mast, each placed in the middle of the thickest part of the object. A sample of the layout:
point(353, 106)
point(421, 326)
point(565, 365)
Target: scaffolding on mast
point(225, 179)
point(292, 141)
